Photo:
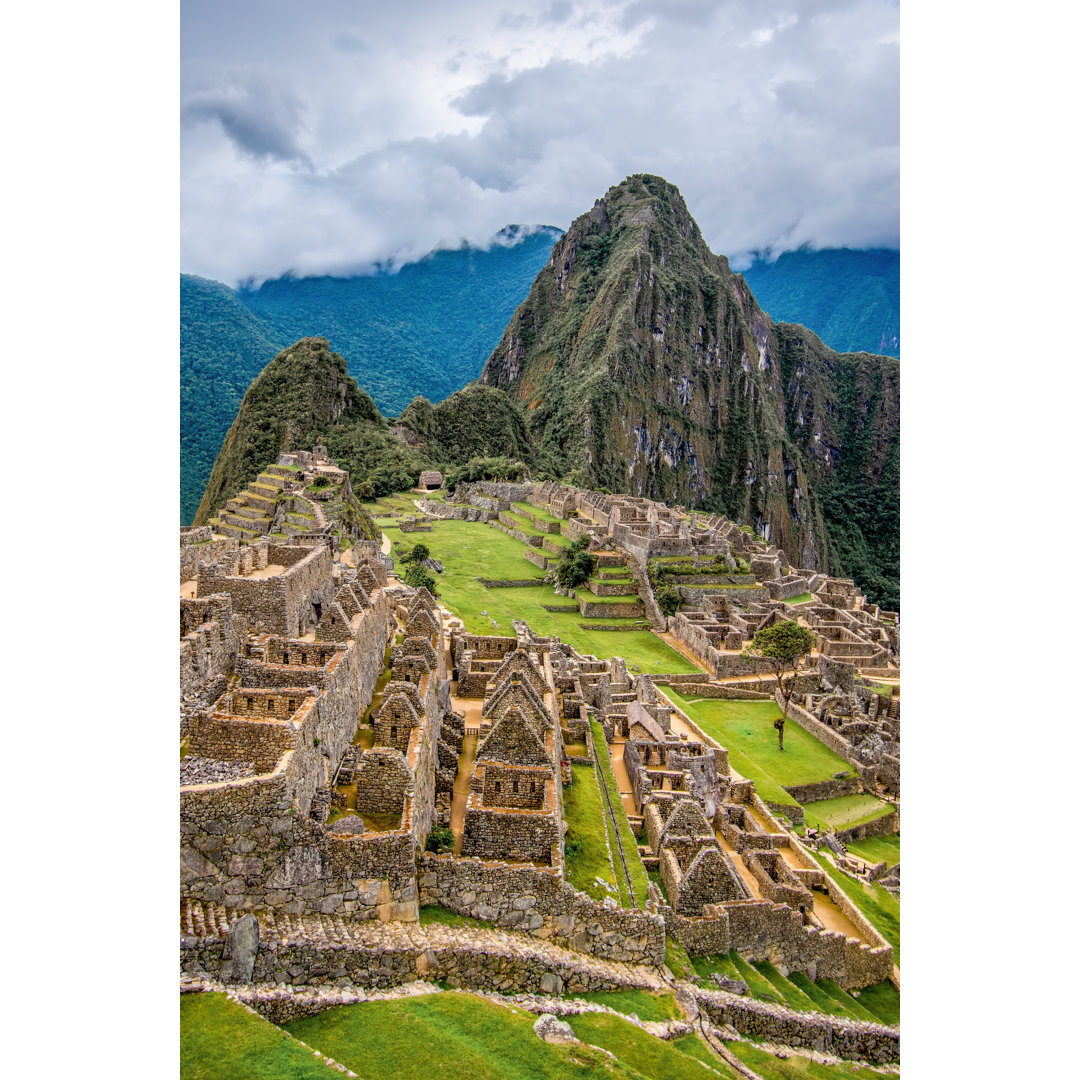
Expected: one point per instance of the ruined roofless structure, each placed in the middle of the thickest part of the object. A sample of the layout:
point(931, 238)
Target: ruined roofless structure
point(335, 732)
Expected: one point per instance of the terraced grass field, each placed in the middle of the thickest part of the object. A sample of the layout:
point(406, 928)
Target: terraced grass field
point(844, 812)
point(219, 1038)
point(876, 849)
point(469, 550)
point(450, 1036)
point(639, 881)
point(745, 728)
point(587, 851)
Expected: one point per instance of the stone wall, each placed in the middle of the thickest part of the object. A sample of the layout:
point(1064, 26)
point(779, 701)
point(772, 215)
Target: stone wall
point(527, 835)
point(463, 958)
point(207, 550)
point(826, 789)
point(885, 825)
point(280, 604)
point(210, 637)
point(537, 900)
point(629, 610)
point(762, 930)
point(251, 843)
point(857, 1040)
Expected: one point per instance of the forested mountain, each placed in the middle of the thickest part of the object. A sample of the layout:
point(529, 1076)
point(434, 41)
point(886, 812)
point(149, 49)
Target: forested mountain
point(646, 366)
point(425, 330)
point(850, 299)
point(428, 329)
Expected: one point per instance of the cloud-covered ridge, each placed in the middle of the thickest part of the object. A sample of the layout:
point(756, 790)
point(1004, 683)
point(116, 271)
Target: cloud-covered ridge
point(341, 136)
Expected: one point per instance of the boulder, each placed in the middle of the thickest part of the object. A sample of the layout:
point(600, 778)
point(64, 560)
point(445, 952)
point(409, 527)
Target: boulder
point(241, 946)
point(553, 1030)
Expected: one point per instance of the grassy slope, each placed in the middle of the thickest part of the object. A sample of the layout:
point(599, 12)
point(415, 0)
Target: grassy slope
point(877, 849)
point(583, 809)
point(843, 812)
point(795, 1068)
point(649, 1056)
point(219, 1038)
point(469, 550)
point(745, 729)
point(639, 880)
point(646, 1006)
point(449, 1036)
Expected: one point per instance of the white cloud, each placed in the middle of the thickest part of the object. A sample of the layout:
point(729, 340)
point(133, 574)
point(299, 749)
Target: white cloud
point(333, 137)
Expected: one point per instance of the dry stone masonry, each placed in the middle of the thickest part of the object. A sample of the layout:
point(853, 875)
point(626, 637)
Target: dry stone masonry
point(332, 718)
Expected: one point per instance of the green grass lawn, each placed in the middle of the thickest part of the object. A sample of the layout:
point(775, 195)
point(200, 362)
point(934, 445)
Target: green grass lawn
point(693, 1045)
point(875, 849)
point(645, 1005)
point(449, 1036)
point(844, 812)
point(802, 598)
point(540, 515)
point(583, 809)
point(219, 1038)
point(793, 997)
point(877, 904)
point(745, 729)
point(796, 1068)
point(647, 1055)
point(469, 550)
point(436, 913)
point(639, 880)
point(882, 1000)
point(881, 689)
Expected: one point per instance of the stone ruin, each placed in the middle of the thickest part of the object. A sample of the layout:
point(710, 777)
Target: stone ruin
point(288, 813)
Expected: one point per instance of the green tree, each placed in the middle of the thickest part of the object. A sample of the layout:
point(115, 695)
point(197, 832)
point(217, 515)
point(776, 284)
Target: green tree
point(416, 557)
point(669, 599)
point(416, 576)
point(575, 564)
point(783, 645)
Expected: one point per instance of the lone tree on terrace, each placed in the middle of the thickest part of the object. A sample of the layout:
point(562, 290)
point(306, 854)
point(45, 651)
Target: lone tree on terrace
point(416, 573)
point(575, 564)
point(418, 555)
point(783, 645)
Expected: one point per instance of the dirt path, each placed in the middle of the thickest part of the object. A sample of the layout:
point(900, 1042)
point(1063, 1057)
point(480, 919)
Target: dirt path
point(832, 918)
point(466, 763)
point(187, 589)
point(622, 777)
point(385, 546)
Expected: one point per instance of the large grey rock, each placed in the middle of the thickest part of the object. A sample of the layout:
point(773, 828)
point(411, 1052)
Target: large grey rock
point(553, 1030)
point(241, 947)
point(301, 866)
point(194, 865)
point(351, 824)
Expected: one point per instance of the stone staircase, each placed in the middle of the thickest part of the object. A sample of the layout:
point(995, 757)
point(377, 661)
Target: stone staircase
point(250, 514)
point(491, 948)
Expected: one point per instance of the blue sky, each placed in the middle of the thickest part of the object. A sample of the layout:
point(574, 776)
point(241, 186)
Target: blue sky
point(330, 136)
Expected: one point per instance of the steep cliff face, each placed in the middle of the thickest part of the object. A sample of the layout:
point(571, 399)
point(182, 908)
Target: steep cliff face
point(647, 366)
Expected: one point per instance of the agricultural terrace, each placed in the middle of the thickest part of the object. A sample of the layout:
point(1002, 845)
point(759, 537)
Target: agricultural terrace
point(470, 550)
point(845, 811)
point(458, 1036)
point(746, 729)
